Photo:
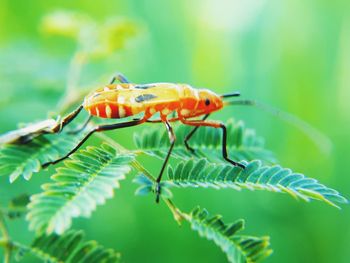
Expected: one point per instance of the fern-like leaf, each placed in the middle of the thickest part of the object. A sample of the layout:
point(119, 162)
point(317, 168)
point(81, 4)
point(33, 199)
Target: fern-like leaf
point(238, 248)
point(256, 176)
point(147, 186)
point(70, 248)
point(26, 159)
point(243, 143)
point(85, 181)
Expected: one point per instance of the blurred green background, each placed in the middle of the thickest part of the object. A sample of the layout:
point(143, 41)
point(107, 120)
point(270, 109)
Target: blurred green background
point(292, 54)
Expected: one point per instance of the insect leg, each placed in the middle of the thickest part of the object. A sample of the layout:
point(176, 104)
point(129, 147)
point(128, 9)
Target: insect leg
point(96, 129)
point(82, 127)
point(159, 120)
point(119, 77)
point(190, 134)
point(224, 136)
point(172, 139)
point(66, 120)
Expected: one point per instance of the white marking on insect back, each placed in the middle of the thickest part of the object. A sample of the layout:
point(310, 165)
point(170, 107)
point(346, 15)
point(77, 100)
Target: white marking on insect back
point(132, 100)
point(97, 112)
point(121, 111)
point(121, 100)
point(108, 111)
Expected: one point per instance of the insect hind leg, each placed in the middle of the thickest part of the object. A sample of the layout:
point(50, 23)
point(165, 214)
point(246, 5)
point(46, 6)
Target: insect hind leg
point(217, 125)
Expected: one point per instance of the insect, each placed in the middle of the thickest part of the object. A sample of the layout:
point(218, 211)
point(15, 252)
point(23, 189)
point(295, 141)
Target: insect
point(125, 99)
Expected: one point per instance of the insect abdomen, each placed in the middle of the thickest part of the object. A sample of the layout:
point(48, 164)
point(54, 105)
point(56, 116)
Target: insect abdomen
point(109, 110)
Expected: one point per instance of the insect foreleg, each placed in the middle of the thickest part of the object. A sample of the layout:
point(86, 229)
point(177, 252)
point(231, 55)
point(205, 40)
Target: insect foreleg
point(172, 139)
point(96, 129)
point(119, 77)
point(224, 136)
point(190, 134)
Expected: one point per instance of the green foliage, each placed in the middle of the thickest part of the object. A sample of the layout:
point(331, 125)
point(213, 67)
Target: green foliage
point(238, 248)
point(70, 248)
point(242, 143)
point(90, 176)
point(85, 181)
point(147, 186)
point(25, 159)
point(96, 39)
point(201, 173)
point(18, 206)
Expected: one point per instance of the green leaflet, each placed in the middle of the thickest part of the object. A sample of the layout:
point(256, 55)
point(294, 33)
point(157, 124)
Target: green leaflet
point(238, 248)
point(26, 159)
point(85, 181)
point(69, 248)
point(256, 176)
point(147, 186)
point(242, 143)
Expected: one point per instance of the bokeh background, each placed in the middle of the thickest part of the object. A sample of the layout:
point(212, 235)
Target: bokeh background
point(291, 54)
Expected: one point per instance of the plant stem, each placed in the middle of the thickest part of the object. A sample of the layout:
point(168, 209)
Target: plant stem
point(5, 241)
point(71, 93)
point(178, 215)
point(3, 227)
point(134, 163)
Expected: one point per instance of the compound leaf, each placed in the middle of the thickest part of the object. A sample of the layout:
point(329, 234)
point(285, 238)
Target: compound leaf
point(256, 176)
point(27, 158)
point(69, 248)
point(87, 179)
point(238, 248)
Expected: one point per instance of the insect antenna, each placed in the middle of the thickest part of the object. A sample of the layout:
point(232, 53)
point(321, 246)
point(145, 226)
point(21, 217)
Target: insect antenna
point(315, 135)
point(229, 95)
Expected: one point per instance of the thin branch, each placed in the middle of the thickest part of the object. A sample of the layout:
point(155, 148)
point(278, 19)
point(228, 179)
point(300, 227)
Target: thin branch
point(3, 227)
point(134, 163)
point(71, 93)
point(178, 215)
point(5, 241)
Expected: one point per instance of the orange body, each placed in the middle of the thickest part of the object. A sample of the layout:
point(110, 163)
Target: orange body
point(126, 99)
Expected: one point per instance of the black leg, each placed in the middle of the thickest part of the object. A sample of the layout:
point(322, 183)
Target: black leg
point(66, 120)
point(188, 136)
point(224, 144)
point(119, 77)
point(224, 136)
point(96, 129)
point(82, 127)
point(172, 139)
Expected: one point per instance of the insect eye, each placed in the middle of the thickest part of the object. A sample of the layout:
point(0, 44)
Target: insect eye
point(207, 102)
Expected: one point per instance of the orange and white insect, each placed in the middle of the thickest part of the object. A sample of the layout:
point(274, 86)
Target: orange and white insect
point(173, 102)
point(126, 99)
